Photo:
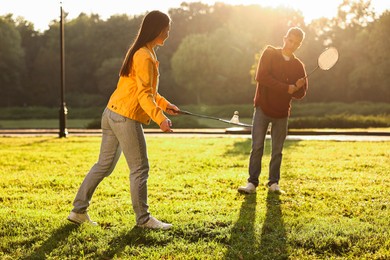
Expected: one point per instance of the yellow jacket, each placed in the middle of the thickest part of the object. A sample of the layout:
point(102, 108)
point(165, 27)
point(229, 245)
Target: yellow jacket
point(136, 96)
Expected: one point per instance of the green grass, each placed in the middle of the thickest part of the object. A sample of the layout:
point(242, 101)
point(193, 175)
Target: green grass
point(336, 205)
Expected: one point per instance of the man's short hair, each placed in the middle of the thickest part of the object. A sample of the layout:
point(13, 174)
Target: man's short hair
point(296, 31)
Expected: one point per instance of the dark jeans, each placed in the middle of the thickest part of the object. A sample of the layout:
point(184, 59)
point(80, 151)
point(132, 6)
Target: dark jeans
point(278, 135)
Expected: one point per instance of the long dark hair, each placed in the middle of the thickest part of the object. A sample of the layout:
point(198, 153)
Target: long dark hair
point(151, 27)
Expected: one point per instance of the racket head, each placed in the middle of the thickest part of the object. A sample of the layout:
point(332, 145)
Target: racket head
point(328, 58)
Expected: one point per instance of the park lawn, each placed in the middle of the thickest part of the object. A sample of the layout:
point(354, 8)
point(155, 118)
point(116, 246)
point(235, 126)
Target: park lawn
point(336, 205)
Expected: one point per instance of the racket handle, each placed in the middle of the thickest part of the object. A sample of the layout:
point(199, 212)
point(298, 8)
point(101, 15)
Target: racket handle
point(176, 111)
point(182, 112)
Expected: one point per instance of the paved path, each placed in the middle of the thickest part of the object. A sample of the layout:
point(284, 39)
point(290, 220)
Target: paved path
point(234, 132)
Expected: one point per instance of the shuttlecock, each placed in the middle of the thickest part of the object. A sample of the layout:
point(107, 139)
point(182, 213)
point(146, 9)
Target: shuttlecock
point(235, 119)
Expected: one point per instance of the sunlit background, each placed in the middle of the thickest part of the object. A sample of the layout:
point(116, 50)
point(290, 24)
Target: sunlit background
point(42, 12)
point(207, 65)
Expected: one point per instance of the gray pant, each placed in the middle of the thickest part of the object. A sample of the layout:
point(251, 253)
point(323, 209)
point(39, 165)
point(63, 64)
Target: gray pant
point(278, 135)
point(119, 133)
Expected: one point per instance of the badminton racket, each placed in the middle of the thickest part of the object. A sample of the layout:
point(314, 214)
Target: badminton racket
point(327, 59)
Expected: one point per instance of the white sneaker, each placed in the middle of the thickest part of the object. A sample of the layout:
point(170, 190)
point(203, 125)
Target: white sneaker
point(79, 218)
point(154, 223)
point(249, 188)
point(275, 188)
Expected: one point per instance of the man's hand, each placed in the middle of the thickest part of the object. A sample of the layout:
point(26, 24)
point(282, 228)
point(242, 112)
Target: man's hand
point(165, 126)
point(291, 89)
point(298, 85)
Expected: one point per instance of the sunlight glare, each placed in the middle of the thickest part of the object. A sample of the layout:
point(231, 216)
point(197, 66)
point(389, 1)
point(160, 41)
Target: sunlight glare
point(310, 9)
point(42, 17)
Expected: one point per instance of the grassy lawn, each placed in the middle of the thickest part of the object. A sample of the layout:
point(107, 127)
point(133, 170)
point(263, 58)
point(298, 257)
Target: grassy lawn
point(336, 205)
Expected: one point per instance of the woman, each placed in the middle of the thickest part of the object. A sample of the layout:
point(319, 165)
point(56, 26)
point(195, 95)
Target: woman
point(134, 102)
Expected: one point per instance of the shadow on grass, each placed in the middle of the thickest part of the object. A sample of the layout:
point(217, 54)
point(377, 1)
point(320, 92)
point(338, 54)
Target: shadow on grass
point(243, 148)
point(57, 238)
point(273, 241)
point(242, 242)
point(135, 237)
point(37, 142)
point(240, 148)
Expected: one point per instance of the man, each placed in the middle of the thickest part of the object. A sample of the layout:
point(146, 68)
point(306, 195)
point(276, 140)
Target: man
point(280, 78)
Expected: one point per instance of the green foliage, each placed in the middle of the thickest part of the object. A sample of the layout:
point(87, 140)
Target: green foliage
point(197, 66)
point(190, 56)
point(336, 205)
point(107, 76)
point(48, 113)
point(360, 73)
point(11, 63)
point(208, 59)
point(340, 121)
point(336, 108)
point(43, 123)
point(303, 115)
point(218, 72)
point(83, 101)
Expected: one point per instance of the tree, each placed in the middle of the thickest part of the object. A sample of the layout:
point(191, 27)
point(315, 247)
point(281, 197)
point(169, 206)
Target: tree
point(94, 52)
point(107, 76)
point(373, 60)
point(379, 41)
point(189, 65)
point(11, 63)
point(216, 66)
point(82, 53)
point(210, 56)
point(354, 14)
point(356, 74)
point(45, 71)
point(31, 42)
point(189, 19)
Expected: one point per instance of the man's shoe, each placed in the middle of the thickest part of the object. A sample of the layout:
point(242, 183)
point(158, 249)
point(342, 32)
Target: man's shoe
point(274, 187)
point(79, 218)
point(249, 188)
point(154, 223)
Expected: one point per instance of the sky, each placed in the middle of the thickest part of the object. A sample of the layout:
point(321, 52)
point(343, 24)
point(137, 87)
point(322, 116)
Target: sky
point(42, 12)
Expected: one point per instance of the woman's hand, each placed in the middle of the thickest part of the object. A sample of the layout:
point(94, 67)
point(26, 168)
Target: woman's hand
point(165, 126)
point(172, 110)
